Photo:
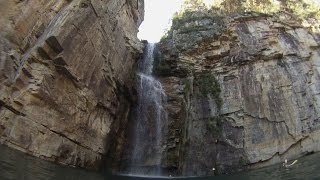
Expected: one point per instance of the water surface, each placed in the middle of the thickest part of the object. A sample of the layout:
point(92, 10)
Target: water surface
point(17, 165)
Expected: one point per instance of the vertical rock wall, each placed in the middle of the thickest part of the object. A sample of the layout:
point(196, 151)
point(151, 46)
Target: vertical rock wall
point(243, 92)
point(66, 72)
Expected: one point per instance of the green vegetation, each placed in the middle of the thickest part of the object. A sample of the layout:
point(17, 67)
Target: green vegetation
point(194, 5)
point(164, 37)
point(214, 125)
point(162, 68)
point(237, 6)
point(301, 9)
point(187, 87)
point(208, 84)
point(190, 16)
point(193, 29)
point(193, 10)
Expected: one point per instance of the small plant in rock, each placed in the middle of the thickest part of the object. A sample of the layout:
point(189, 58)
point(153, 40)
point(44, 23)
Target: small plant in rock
point(162, 68)
point(214, 126)
point(187, 87)
point(208, 84)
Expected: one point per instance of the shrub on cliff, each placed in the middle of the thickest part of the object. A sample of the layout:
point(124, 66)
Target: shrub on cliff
point(305, 12)
point(301, 9)
point(209, 85)
point(198, 24)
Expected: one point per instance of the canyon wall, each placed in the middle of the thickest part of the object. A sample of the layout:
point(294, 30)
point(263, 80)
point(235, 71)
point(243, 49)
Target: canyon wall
point(66, 76)
point(243, 91)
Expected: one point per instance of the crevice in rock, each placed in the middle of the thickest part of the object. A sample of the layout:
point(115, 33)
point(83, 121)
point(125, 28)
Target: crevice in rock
point(54, 44)
point(281, 154)
point(262, 118)
point(53, 131)
point(278, 122)
point(297, 142)
point(64, 71)
point(288, 130)
point(74, 141)
point(94, 10)
point(10, 108)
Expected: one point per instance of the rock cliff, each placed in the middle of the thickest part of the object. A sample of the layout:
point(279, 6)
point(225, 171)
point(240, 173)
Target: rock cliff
point(243, 91)
point(66, 73)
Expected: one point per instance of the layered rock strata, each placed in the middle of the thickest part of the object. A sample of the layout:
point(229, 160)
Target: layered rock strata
point(243, 92)
point(66, 73)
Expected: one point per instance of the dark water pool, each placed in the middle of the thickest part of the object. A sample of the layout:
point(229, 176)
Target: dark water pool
point(17, 165)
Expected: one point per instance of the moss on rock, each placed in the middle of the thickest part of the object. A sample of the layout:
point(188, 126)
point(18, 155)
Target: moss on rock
point(187, 87)
point(208, 84)
point(162, 68)
point(214, 126)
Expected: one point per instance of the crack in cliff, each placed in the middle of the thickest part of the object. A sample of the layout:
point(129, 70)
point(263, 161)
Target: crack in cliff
point(270, 121)
point(79, 30)
point(94, 10)
point(74, 141)
point(261, 118)
point(284, 86)
point(10, 108)
point(299, 141)
point(124, 3)
point(48, 30)
point(34, 153)
point(288, 130)
point(53, 131)
point(104, 33)
point(281, 154)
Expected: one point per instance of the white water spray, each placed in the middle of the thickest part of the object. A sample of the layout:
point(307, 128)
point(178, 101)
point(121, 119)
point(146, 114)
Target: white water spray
point(150, 118)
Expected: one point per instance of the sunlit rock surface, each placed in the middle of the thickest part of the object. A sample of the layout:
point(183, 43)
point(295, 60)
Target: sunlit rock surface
point(66, 73)
point(266, 104)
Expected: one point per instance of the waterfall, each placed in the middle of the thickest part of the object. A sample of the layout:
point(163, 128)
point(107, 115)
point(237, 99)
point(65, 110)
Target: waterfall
point(150, 119)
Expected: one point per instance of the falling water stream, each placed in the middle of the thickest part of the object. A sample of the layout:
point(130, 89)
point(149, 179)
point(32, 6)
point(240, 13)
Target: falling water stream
point(150, 117)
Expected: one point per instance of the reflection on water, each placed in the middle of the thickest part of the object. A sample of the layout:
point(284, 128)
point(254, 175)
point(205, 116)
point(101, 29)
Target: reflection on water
point(17, 165)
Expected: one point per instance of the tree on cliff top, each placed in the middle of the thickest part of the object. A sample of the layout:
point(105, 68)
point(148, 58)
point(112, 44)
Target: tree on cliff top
point(188, 7)
point(236, 6)
point(304, 12)
point(194, 5)
point(302, 9)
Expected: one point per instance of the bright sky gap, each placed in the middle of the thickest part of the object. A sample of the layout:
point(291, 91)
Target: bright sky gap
point(157, 18)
